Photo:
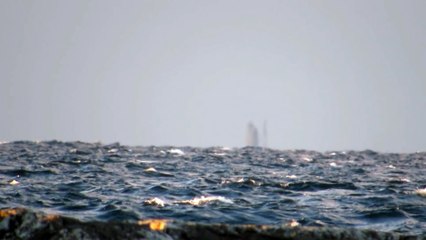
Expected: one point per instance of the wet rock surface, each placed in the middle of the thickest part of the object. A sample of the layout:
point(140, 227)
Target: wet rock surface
point(19, 223)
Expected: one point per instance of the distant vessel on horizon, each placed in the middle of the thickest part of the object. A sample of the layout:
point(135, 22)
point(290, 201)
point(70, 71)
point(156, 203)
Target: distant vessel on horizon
point(252, 135)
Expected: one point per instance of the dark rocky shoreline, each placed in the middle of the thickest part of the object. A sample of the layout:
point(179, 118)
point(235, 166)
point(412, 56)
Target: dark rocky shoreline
point(19, 223)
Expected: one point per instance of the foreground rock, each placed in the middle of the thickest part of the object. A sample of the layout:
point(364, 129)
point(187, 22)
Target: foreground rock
point(20, 223)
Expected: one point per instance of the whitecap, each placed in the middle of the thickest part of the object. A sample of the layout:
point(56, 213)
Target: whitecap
point(113, 150)
point(291, 176)
point(225, 181)
point(155, 202)
point(203, 200)
point(151, 169)
point(333, 164)
point(13, 182)
point(405, 180)
point(176, 151)
point(219, 154)
point(421, 192)
point(240, 180)
point(144, 161)
point(293, 223)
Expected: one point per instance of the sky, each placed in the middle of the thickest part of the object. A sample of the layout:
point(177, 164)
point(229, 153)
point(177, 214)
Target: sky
point(324, 75)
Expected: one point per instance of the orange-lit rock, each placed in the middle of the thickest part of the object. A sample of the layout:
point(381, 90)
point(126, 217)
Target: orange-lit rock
point(25, 224)
point(4, 213)
point(50, 217)
point(154, 224)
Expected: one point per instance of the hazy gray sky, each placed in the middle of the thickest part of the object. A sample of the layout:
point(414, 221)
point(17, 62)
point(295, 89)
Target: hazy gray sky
point(326, 75)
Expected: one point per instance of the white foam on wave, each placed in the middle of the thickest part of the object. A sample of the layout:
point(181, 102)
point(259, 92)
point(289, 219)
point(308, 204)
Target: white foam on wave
point(391, 166)
point(155, 202)
point(220, 154)
point(405, 180)
point(241, 180)
point(113, 150)
point(195, 201)
point(292, 223)
point(203, 200)
point(421, 192)
point(13, 182)
point(151, 169)
point(145, 161)
point(176, 151)
point(251, 181)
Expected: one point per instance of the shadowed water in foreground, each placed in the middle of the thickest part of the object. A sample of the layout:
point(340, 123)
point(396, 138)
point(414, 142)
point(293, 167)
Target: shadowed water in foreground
point(91, 181)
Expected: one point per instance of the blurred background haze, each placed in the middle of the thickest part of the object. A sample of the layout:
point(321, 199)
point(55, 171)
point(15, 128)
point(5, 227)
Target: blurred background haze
point(325, 75)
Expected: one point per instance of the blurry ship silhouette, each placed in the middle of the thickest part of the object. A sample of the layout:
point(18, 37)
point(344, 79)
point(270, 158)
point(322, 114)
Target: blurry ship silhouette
point(265, 134)
point(252, 137)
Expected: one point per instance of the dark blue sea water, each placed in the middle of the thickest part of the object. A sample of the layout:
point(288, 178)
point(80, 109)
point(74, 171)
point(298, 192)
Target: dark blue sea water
point(364, 189)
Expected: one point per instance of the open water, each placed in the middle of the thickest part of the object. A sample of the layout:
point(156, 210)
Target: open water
point(361, 189)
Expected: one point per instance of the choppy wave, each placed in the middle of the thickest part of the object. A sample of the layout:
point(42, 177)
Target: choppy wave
point(194, 201)
point(92, 181)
